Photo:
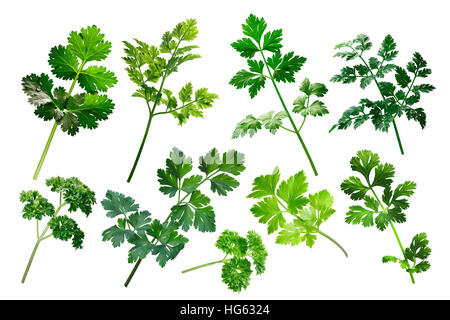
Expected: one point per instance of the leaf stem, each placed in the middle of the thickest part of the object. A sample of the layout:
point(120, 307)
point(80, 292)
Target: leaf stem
point(334, 241)
point(289, 115)
point(398, 137)
point(395, 232)
point(44, 153)
point(136, 266)
point(205, 265)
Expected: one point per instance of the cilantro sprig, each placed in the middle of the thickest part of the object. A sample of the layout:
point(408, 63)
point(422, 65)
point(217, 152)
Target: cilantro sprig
point(288, 198)
point(148, 65)
point(239, 252)
point(396, 99)
point(192, 208)
point(385, 211)
point(280, 68)
point(74, 195)
point(67, 110)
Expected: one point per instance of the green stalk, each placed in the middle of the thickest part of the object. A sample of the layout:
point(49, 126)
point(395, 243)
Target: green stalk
point(204, 265)
point(44, 153)
point(395, 233)
point(136, 266)
point(334, 241)
point(40, 238)
point(297, 133)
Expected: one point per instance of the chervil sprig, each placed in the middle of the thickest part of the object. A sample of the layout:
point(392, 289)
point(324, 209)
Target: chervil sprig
point(239, 251)
point(396, 100)
point(385, 211)
point(72, 194)
point(148, 65)
point(280, 68)
point(72, 111)
point(289, 198)
point(192, 208)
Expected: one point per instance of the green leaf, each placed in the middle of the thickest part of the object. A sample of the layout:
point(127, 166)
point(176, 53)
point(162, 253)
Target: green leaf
point(36, 206)
point(63, 62)
point(360, 215)
point(223, 183)
point(290, 235)
point(383, 175)
point(89, 44)
point(402, 77)
point(364, 162)
point(191, 183)
point(254, 27)
point(140, 221)
point(285, 67)
point(183, 215)
point(38, 89)
point(265, 185)
point(354, 188)
point(272, 40)
point(118, 204)
point(186, 30)
point(250, 125)
point(272, 121)
point(321, 206)
point(204, 219)
point(116, 235)
point(387, 50)
point(254, 81)
point(65, 228)
point(96, 78)
point(269, 213)
point(246, 47)
point(292, 191)
point(231, 243)
point(141, 247)
point(186, 92)
point(257, 251)
point(236, 274)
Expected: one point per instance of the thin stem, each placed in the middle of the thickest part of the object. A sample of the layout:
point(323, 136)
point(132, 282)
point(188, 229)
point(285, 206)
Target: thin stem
point(205, 265)
point(136, 266)
point(130, 176)
point(398, 137)
point(287, 129)
point(395, 233)
point(334, 241)
point(303, 122)
point(289, 116)
point(44, 153)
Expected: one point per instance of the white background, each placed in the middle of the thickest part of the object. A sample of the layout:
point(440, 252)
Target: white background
point(102, 158)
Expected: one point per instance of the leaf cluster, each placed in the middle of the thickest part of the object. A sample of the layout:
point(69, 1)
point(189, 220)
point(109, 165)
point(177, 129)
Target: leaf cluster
point(399, 97)
point(72, 111)
point(237, 268)
point(281, 67)
point(148, 65)
point(72, 192)
point(288, 197)
point(192, 208)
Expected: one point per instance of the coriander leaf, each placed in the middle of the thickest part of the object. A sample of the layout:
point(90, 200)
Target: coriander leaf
point(38, 89)
point(285, 67)
point(96, 78)
point(63, 62)
point(254, 27)
point(272, 40)
point(246, 47)
point(89, 44)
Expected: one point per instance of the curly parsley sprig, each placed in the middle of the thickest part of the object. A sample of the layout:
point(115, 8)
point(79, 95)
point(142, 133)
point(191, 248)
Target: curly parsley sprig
point(72, 193)
point(280, 68)
point(192, 207)
point(147, 65)
point(396, 100)
point(67, 110)
point(385, 211)
point(237, 268)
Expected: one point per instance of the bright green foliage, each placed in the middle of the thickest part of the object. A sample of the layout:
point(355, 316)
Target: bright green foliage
point(278, 200)
point(72, 111)
point(73, 193)
point(192, 207)
point(385, 211)
point(69, 63)
point(397, 98)
point(149, 66)
point(240, 254)
point(277, 67)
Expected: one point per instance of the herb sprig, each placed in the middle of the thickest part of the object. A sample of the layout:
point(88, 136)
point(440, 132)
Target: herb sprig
point(72, 193)
point(280, 68)
point(396, 100)
point(72, 111)
point(288, 197)
point(385, 211)
point(237, 268)
point(147, 65)
point(192, 207)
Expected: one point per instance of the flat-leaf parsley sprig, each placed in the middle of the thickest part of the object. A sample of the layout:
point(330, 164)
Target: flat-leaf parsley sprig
point(237, 268)
point(191, 209)
point(74, 195)
point(72, 111)
point(385, 211)
point(280, 68)
point(288, 197)
point(148, 65)
point(396, 100)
